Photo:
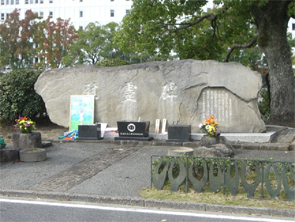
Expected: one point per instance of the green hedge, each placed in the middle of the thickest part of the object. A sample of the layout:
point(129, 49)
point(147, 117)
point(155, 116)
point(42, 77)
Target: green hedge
point(18, 97)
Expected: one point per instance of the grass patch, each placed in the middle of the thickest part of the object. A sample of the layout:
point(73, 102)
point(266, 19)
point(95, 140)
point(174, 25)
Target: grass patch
point(217, 199)
point(246, 179)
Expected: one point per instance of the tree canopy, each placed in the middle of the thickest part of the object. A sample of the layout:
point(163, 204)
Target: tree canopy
point(159, 27)
point(15, 35)
point(54, 40)
point(32, 43)
point(93, 44)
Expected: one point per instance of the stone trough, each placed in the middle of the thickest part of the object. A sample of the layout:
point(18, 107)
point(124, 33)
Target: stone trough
point(32, 155)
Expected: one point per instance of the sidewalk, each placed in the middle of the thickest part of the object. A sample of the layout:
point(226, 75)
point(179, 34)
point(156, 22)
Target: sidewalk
point(108, 172)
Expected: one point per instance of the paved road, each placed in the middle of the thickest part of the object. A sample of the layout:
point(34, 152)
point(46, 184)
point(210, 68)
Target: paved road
point(44, 211)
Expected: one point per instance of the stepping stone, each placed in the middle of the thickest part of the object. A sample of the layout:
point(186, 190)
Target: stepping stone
point(180, 150)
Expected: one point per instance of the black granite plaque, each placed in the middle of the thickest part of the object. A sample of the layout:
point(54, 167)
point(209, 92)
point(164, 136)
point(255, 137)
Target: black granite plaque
point(179, 133)
point(133, 130)
point(89, 132)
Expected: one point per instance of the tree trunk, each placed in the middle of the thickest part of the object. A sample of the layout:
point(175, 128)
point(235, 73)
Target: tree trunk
point(272, 23)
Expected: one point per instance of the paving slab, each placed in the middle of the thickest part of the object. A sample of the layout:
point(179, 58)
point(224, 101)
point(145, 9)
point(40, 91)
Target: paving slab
point(85, 169)
point(124, 178)
point(24, 175)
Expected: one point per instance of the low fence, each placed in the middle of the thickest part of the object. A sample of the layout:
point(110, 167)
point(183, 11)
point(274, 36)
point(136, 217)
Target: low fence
point(261, 179)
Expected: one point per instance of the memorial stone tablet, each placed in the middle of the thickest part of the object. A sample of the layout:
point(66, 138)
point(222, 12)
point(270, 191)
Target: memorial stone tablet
point(133, 130)
point(89, 132)
point(179, 133)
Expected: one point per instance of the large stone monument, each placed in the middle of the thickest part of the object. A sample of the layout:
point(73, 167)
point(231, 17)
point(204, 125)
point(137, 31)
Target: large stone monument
point(185, 92)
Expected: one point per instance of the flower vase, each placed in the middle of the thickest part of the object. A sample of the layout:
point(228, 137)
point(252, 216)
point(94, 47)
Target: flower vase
point(27, 140)
point(25, 131)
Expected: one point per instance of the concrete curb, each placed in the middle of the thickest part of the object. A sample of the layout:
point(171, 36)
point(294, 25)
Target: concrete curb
point(262, 146)
point(192, 144)
point(140, 202)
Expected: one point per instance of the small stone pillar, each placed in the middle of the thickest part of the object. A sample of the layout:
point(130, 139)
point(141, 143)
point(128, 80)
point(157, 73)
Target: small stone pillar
point(27, 140)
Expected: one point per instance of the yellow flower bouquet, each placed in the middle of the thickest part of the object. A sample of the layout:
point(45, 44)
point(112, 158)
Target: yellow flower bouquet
point(210, 127)
point(24, 125)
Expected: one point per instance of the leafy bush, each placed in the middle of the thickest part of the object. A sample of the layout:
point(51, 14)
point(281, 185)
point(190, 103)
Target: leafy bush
point(112, 62)
point(17, 95)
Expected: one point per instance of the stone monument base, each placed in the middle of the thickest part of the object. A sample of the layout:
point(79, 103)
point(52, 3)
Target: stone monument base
point(134, 138)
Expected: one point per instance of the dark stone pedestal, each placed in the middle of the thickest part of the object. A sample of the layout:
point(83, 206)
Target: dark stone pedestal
point(209, 141)
point(179, 133)
point(89, 132)
point(9, 155)
point(214, 147)
point(133, 131)
point(27, 140)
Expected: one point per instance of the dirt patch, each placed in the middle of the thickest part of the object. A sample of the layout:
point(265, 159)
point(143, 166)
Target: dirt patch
point(48, 130)
point(52, 133)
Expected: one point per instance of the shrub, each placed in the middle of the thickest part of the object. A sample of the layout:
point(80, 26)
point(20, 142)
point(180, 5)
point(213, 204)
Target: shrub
point(112, 62)
point(17, 95)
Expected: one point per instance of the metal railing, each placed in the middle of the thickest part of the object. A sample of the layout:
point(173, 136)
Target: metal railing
point(259, 178)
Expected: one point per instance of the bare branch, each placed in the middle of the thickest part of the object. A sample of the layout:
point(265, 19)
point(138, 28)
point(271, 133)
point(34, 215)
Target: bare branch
point(240, 46)
point(209, 17)
point(215, 27)
point(189, 24)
